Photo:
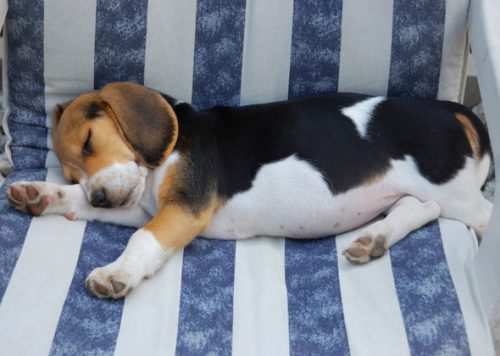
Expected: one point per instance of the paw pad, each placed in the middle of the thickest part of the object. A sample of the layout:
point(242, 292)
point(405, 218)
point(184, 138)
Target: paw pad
point(31, 192)
point(26, 197)
point(15, 194)
point(366, 248)
point(103, 284)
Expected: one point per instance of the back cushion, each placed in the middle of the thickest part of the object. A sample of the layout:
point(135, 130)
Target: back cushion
point(212, 52)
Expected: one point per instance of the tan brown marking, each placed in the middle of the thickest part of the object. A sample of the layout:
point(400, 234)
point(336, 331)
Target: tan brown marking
point(71, 124)
point(70, 132)
point(107, 146)
point(174, 226)
point(173, 180)
point(376, 177)
point(471, 134)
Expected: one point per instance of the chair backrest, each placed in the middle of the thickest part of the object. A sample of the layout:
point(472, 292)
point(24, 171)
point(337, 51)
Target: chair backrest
point(224, 52)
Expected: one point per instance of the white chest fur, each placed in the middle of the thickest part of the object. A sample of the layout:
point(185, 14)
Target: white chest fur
point(149, 201)
point(290, 198)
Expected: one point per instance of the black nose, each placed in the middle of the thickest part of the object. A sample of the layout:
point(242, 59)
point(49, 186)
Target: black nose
point(99, 199)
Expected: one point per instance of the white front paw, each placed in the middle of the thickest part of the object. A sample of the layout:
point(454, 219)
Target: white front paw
point(39, 198)
point(111, 281)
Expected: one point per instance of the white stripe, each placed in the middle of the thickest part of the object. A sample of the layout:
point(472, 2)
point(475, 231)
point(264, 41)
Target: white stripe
point(460, 246)
point(51, 160)
point(69, 35)
point(69, 32)
point(266, 51)
point(454, 42)
point(372, 314)
point(151, 312)
point(260, 303)
point(170, 47)
point(361, 113)
point(365, 49)
point(37, 290)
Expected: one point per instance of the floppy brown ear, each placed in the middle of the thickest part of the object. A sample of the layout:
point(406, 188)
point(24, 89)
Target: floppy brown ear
point(58, 111)
point(145, 119)
point(56, 117)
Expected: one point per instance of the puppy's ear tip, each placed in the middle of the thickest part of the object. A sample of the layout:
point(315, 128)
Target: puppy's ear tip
point(57, 112)
point(58, 108)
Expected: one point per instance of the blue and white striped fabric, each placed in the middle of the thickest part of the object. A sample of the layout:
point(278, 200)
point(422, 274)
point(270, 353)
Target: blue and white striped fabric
point(254, 297)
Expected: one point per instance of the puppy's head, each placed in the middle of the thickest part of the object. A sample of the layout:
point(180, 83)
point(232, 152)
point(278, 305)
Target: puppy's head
point(106, 140)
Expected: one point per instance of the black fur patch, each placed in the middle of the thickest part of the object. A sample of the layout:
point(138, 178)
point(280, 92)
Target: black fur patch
point(227, 146)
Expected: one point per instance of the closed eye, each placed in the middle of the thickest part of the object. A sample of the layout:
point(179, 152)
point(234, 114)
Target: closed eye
point(87, 148)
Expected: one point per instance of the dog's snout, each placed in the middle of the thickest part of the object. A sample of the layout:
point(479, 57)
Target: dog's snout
point(99, 199)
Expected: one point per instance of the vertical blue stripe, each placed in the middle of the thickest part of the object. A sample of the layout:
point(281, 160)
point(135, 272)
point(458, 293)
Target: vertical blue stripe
point(206, 303)
point(25, 75)
point(25, 46)
point(417, 45)
point(27, 107)
point(315, 315)
point(120, 41)
point(13, 227)
point(37, 137)
point(429, 304)
point(218, 52)
point(88, 325)
point(28, 157)
point(315, 57)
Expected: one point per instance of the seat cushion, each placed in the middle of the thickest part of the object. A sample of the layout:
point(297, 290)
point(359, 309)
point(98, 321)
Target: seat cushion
point(250, 297)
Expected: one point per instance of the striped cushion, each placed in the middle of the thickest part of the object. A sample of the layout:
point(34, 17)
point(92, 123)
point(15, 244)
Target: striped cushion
point(258, 296)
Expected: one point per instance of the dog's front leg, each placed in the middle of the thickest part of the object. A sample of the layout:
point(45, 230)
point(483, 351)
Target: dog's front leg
point(170, 230)
point(42, 198)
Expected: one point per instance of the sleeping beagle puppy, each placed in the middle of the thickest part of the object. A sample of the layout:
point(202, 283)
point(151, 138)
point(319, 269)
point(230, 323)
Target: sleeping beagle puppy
point(303, 168)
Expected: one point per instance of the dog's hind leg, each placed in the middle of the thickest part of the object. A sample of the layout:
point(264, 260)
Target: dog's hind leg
point(461, 198)
point(406, 215)
point(474, 211)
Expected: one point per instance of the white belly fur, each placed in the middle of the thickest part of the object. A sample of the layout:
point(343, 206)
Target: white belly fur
point(290, 198)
